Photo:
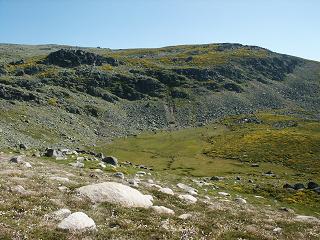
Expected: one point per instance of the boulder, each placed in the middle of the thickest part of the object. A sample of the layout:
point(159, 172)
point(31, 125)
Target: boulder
point(162, 210)
point(77, 221)
point(116, 193)
point(110, 160)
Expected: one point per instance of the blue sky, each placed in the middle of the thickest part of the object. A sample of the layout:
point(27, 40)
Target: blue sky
point(286, 26)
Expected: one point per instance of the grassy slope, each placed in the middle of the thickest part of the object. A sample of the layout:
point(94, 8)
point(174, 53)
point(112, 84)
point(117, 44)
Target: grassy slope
point(228, 149)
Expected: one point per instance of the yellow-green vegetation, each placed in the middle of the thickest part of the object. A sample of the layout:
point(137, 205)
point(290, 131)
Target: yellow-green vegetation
point(277, 139)
point(186, 56)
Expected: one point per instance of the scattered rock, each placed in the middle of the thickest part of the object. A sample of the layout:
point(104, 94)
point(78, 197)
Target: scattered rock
point(52, 153)
point(285, 209)
point(166, 191)
point(317, 190)
point(110, 160)
point(255, 165)
point(188, 198)
point(240, 200)
point(312, 185)
point(77, 164)
point(185, 216)
point(187, 188)
point(19, 189)
point(102, 165)
point(63, 189)
point(224, 194)
point(116, 193)
point(141, 173)
point(77, 221)
point(59, 214)
point(22, 146)
point(59, 179)
point(277, 230)
point(216, 178)
point(162, 210)
point(119, 175)
point(298, 186)
point(27, 165)
point(133, 182)
point(17, 159)
point(302, 218)
point(287, 185)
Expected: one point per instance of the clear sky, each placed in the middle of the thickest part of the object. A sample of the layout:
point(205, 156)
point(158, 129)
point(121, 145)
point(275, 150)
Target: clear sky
point(286, 26)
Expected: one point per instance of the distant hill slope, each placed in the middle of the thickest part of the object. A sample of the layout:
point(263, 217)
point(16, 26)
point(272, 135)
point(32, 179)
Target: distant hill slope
point(62, 95)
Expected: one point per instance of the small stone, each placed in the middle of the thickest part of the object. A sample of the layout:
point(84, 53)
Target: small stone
point(312, 185)
point(302, 218)
point(119, 175)
point(102, 165)
point(23, 146)
point(162, 210)
point(217, 178)
point(185, 216)
point(240, 200)
point(141, 173)
point(254, 165)
point(110, 160)
point(59, 179)
point(77, 165)
point(17, 159)
point(133, 182)
point(224, 194)
point(188, 189)
point(188, 198)
point(166, 191)
point(27, 165)
point(77, 221)
point(59, 214)
point(63, 189)
point(277, 230)
point(80, 159)
point(298, 186)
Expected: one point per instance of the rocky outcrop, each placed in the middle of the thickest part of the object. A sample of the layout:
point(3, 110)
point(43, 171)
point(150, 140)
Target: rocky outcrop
point(74, 58)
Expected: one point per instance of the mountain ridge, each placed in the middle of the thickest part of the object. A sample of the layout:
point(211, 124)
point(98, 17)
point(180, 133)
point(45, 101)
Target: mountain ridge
point(136, 90)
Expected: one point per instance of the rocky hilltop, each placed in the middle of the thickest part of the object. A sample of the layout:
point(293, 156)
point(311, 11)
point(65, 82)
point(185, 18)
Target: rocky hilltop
point(54, 95)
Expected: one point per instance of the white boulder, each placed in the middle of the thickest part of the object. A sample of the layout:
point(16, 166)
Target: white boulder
point(116, 193)
point(77, 221)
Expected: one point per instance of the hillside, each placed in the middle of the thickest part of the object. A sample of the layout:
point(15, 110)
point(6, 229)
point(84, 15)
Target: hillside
point(54, 95)
point(216, 141)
